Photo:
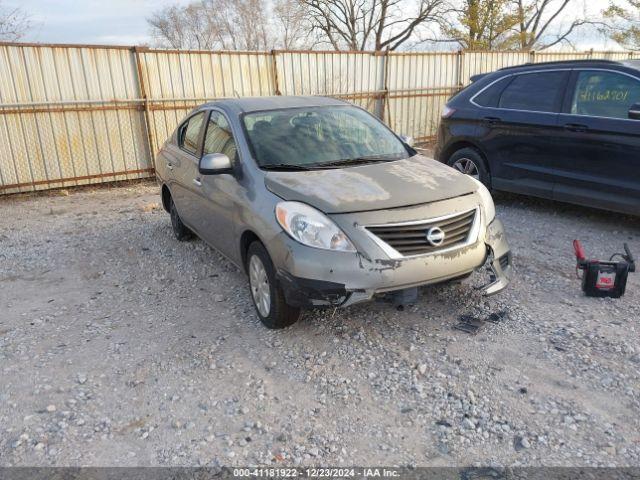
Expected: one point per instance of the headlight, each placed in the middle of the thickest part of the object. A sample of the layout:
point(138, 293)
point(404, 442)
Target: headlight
point(487, 202)
point(311, 227)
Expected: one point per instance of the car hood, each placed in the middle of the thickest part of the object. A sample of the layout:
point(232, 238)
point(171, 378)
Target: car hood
point(376, 186)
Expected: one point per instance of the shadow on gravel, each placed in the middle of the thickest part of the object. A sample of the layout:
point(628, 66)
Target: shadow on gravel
point(568, 210)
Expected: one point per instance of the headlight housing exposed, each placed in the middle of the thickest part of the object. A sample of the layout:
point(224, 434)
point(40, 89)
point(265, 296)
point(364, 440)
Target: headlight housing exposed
point(311, 227)
point(488, 206)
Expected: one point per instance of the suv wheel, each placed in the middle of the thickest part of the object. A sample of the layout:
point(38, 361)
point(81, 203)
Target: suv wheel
point(268, 297)
point(470, 162)
point(180, 230)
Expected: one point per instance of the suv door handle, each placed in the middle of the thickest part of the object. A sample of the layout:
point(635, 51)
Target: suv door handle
point(170, 165)
point(576, 127)
point(197, 182)
point(492, 120)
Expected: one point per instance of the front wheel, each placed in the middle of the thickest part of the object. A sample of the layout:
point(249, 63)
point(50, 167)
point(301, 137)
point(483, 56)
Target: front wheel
point(268, 297)
point(470, 162)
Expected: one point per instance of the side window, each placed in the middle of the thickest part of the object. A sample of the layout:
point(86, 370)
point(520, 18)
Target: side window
point(219, 138)
point(537, 92)
point(189, 133)
point(605, 94)
point(491, 95)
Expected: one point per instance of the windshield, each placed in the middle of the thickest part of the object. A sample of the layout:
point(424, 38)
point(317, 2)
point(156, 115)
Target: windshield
point(302, 138)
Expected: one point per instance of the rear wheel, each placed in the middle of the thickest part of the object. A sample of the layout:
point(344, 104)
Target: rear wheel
point(180, 230)
point(268, 298)
point(470, 162)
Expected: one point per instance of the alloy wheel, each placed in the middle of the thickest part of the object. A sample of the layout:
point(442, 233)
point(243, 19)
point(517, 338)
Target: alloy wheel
point(468, 167)
point(259, 282)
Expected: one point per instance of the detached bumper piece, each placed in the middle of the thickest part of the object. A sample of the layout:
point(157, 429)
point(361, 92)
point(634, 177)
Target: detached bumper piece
point(499, 273)
point(307, 293)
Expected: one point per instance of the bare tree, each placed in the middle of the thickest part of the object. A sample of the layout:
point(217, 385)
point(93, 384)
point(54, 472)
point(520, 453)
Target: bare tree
point(210, 24)
point(371, 24)
point(240, 24)
point(13, 23)
point(232, 25)
point(542, 23)
point(293, 29)
point(481, 24)
point(183, 27)
point(623, 23)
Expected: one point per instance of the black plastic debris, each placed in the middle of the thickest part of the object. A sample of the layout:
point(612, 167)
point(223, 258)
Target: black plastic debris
point(496, 317)
point(471, 323)
point(468, 323)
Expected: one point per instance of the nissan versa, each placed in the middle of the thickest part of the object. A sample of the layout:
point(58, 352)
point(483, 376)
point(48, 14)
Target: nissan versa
point(322, 205)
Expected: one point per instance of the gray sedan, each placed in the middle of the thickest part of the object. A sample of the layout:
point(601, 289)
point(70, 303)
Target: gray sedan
point(324, 206)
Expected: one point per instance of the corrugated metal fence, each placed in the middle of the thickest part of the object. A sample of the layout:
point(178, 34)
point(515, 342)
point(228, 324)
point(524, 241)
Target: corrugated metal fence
point(72, 115)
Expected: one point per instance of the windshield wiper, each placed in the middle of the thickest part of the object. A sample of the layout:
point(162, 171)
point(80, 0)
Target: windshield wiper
point(284, 166)
point(357, 161)
point(330, 164)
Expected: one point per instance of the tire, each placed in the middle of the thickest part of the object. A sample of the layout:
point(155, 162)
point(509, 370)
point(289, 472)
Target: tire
point(180, 230)
point(277, 314)
point(470, 162)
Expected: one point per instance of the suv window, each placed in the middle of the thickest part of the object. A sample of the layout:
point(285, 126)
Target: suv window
point(536, 92)
point(189, 133)
point(491, 96)
point(605, 94)
point(219, 138)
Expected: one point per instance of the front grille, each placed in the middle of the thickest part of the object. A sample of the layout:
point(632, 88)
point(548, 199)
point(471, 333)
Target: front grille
point(411, 239)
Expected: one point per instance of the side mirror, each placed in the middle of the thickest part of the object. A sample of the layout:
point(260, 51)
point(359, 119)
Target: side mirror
point(214, 164)
point(634, 112)
point(408, 140)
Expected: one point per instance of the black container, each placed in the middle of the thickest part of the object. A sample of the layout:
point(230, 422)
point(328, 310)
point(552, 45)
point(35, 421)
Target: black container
point(604, 279)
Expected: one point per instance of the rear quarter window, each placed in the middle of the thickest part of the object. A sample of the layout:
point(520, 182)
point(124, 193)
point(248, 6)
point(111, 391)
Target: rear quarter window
point(490, 96)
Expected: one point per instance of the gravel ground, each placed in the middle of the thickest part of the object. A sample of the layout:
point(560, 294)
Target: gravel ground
point(121, 346)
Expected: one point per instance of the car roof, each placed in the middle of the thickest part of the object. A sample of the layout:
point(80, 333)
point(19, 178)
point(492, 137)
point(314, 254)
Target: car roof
point(575, 63)
point(256, 104)
point(591, 63)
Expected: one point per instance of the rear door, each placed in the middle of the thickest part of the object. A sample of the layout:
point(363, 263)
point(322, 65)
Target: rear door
point(520, 133)
point(185, 162)
point(599, 163)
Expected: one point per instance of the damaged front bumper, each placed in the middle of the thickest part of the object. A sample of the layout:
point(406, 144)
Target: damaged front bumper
point(499, 261)
point(319, 278)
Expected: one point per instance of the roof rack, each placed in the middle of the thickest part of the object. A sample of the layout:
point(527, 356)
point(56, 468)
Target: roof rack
point(564, 62)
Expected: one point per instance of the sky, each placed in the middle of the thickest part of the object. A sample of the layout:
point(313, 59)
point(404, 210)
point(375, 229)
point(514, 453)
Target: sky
point(123, 22)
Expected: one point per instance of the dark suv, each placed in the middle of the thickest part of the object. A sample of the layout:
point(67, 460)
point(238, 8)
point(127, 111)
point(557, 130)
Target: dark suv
point(567, 131)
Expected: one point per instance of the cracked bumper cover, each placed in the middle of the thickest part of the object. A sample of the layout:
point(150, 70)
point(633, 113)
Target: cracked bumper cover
point(320, 278)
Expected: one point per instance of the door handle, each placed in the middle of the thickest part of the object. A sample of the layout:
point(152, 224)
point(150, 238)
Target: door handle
point(197, 182)
point(492, 120)
point(576, 127)
point(170, 166)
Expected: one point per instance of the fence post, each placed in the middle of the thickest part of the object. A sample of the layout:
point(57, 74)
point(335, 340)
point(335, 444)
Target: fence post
point(384, 87)
point(274, 66)
point(147, 114)
point(532, 56)
point(459, 68)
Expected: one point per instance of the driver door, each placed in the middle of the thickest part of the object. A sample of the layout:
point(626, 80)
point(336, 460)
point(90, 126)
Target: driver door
point(219, 194)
